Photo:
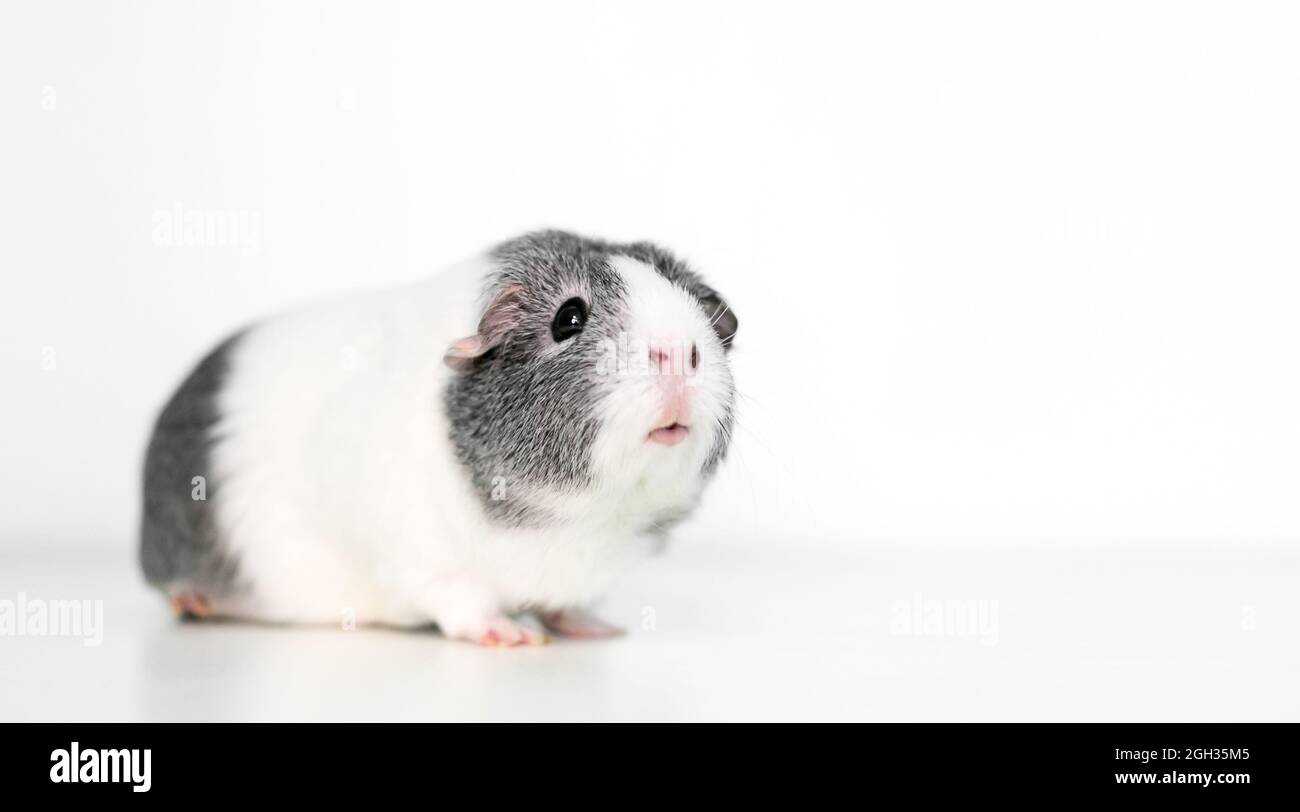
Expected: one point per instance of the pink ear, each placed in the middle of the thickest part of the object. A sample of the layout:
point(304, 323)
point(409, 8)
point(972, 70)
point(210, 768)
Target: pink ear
point(502, 316)
point(463, 352)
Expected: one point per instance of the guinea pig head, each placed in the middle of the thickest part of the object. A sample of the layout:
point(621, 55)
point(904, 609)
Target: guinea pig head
point(596, 386)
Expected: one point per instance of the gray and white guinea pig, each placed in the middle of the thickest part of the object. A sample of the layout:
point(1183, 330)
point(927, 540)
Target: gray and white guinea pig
point(504, 438)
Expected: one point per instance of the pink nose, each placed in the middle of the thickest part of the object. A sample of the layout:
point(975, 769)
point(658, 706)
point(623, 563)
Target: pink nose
point(674, 358)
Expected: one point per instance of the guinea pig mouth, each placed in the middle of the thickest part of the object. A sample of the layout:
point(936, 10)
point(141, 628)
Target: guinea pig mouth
point(671, 434)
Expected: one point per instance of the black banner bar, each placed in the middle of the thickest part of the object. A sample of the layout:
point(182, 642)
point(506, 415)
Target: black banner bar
point(1218, 762)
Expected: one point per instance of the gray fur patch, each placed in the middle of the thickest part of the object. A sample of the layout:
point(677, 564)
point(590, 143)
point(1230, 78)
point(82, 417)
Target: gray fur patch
point(178, 538)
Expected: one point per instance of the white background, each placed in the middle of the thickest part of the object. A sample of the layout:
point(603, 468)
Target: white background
point(1010, 276)
point(1005, 272)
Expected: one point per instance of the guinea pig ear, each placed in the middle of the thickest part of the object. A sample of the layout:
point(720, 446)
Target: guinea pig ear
point(722, 318)
point(498, 320)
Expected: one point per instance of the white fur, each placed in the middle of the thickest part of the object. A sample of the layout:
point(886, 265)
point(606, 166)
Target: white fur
point(340, 494)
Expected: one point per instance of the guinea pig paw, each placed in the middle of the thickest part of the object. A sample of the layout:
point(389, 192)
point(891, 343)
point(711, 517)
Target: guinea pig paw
point(505, 633)
point(576, 623)
point(190, 606)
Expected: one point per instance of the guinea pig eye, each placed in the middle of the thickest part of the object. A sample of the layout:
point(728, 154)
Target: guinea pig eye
point(569, 320)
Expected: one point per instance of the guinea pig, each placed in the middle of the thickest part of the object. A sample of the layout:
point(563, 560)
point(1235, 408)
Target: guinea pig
point(498, 441)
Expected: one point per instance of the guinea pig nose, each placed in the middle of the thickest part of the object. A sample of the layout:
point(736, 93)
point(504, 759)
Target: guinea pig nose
point(695, 356)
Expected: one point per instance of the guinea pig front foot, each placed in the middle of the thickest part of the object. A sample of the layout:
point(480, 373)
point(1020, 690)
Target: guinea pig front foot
point(503, 632)
point(576, 623)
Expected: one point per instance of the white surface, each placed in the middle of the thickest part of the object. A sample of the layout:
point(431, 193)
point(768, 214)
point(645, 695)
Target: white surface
point(740, 633)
